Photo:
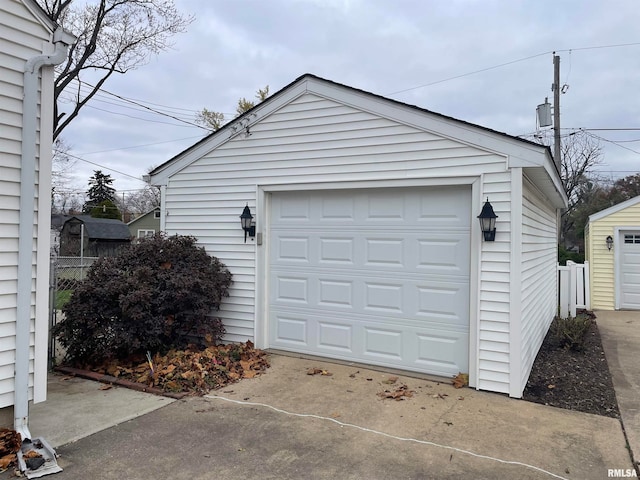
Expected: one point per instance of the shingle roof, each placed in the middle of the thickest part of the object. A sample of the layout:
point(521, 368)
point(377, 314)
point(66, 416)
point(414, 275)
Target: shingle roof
point(103, 228)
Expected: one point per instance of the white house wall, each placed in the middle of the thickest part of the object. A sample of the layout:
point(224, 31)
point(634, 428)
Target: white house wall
point(22, 37)
point(539, 274)
point(316, 140)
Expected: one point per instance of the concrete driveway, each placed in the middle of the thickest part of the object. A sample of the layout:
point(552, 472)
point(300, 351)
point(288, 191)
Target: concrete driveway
point(289, 425)
point(620, 333)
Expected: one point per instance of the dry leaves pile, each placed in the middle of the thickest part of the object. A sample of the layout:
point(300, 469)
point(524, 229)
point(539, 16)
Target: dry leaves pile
point(10, 443)
point(195, 371)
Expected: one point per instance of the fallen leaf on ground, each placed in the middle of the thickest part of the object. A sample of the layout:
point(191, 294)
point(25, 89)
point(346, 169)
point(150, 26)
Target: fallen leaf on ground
point(440, 395)
point(193, 370)
point(390, 380)
point(105, 386)
point(460, 380)
point(316, 371)
point(31, 454)
point(397, 394)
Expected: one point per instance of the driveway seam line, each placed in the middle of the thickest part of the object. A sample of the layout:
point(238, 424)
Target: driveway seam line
point(388, 435)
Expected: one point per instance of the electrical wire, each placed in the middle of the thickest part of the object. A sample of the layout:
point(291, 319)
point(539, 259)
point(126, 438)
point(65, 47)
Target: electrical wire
point(140, 146)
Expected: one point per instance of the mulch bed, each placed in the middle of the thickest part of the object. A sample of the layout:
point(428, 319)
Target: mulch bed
point(573, 380)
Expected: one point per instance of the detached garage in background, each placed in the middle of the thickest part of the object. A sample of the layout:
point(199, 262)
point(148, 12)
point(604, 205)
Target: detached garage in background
point(366, 245)
point(612, 247)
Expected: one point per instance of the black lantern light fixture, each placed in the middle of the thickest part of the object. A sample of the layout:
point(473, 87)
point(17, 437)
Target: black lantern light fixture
point(487, 219)
point(246, 220)
point(609, 242)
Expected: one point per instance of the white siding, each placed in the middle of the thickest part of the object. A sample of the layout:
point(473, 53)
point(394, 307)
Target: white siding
point(495, 260)
point(21, 37)
point(313, 140)
point(539, 274)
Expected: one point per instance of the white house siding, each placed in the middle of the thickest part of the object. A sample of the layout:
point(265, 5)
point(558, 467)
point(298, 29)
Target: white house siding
point(493, 353)
point(539, 274)
point(314, 140)
point(21, 37)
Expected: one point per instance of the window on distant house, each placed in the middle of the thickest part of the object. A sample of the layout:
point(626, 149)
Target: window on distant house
point(146, 233)
point(156, 214)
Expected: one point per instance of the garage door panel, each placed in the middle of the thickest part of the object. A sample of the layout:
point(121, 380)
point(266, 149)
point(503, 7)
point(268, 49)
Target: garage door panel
point(292, 249)
point(409, 251)
point(630, 272)
point(440, 352)
point(441, 300)
point(378, 276)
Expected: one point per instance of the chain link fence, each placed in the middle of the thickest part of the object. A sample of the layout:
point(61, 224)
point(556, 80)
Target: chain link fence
point(66, 274)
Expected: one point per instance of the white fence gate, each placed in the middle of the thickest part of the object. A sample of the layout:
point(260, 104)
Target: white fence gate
point(573, 284)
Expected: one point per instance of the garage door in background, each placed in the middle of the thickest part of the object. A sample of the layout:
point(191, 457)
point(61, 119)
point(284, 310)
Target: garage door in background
point(378, 276)
point(630, 271)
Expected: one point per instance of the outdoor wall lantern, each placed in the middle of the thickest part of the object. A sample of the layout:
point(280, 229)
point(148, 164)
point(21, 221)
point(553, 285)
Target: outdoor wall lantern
point(246, 220)
point(487, 219)
point(609, 242)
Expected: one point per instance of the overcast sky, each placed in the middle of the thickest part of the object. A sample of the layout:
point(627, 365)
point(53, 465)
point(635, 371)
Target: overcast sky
point(485, 62)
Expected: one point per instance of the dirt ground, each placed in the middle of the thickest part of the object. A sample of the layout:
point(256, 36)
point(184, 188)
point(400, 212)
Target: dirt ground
point(574, 380)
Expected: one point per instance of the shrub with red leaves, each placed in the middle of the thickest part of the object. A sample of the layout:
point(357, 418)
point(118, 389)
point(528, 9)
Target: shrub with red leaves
point(155, 295)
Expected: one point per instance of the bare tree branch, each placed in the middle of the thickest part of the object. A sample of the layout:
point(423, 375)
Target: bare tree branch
point(114, 36)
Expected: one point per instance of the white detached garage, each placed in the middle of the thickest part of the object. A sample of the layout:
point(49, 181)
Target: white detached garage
point(367, 245)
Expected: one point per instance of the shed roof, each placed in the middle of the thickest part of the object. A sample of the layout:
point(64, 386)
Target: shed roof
point(616, 208)
point(103, 228)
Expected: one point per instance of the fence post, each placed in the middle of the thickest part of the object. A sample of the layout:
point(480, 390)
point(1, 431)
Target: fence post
point(587, 286)
point(563, 284)
point(573, 287)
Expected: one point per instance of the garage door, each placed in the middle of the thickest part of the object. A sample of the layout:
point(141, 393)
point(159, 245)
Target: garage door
point(630, 271)
point(377, 276)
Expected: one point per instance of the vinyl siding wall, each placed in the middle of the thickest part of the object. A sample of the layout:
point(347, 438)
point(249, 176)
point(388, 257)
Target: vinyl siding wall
point(311, 140)
point(21, 37)
point(539, 274)
point(601, 260)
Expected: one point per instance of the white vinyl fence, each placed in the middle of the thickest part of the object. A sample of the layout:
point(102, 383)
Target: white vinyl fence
point(573, 284)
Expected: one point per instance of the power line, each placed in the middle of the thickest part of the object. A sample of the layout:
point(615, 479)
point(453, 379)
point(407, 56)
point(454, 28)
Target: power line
point(146, 119)
point(511, 63)
point(147, 108)
point(140, 146)
point(103, 166)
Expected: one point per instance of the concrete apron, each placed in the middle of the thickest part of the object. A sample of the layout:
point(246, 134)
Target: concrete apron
point(620, 333)
point(451, 430)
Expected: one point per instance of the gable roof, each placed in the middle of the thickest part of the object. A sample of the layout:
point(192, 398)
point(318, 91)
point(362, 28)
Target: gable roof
point(40, 14)
point(616, 208)
point(520, 152)
point(102, 228)
point(144, 215)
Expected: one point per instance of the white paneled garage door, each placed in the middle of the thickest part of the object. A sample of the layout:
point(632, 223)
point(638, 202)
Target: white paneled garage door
point(379, 276)
point(630, 271)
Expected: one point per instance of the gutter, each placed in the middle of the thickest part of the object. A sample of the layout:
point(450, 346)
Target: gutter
point(26, 231)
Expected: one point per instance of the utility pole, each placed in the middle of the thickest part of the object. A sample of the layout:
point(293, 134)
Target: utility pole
point(556, 110)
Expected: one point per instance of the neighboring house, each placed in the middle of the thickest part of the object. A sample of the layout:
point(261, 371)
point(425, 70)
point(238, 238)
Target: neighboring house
point(57, 221)
point(83, 235)
point(146, 225)
point(30, 46)
point(367, 247)
point(612, 247)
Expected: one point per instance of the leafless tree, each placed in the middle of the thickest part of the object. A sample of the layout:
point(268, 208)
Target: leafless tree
point(62, 165)
point(114, 36)
point(580, 153)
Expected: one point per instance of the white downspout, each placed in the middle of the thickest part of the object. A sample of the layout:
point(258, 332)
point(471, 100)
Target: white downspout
point(61, 40)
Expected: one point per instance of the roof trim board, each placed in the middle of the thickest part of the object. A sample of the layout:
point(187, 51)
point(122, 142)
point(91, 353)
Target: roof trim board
point(614, 209)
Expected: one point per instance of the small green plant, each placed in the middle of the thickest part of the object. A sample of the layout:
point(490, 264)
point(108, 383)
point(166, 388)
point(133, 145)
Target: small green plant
point(571, 332)
point(62, 298)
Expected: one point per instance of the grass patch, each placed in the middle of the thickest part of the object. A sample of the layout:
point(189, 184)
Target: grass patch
point(62, 297)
